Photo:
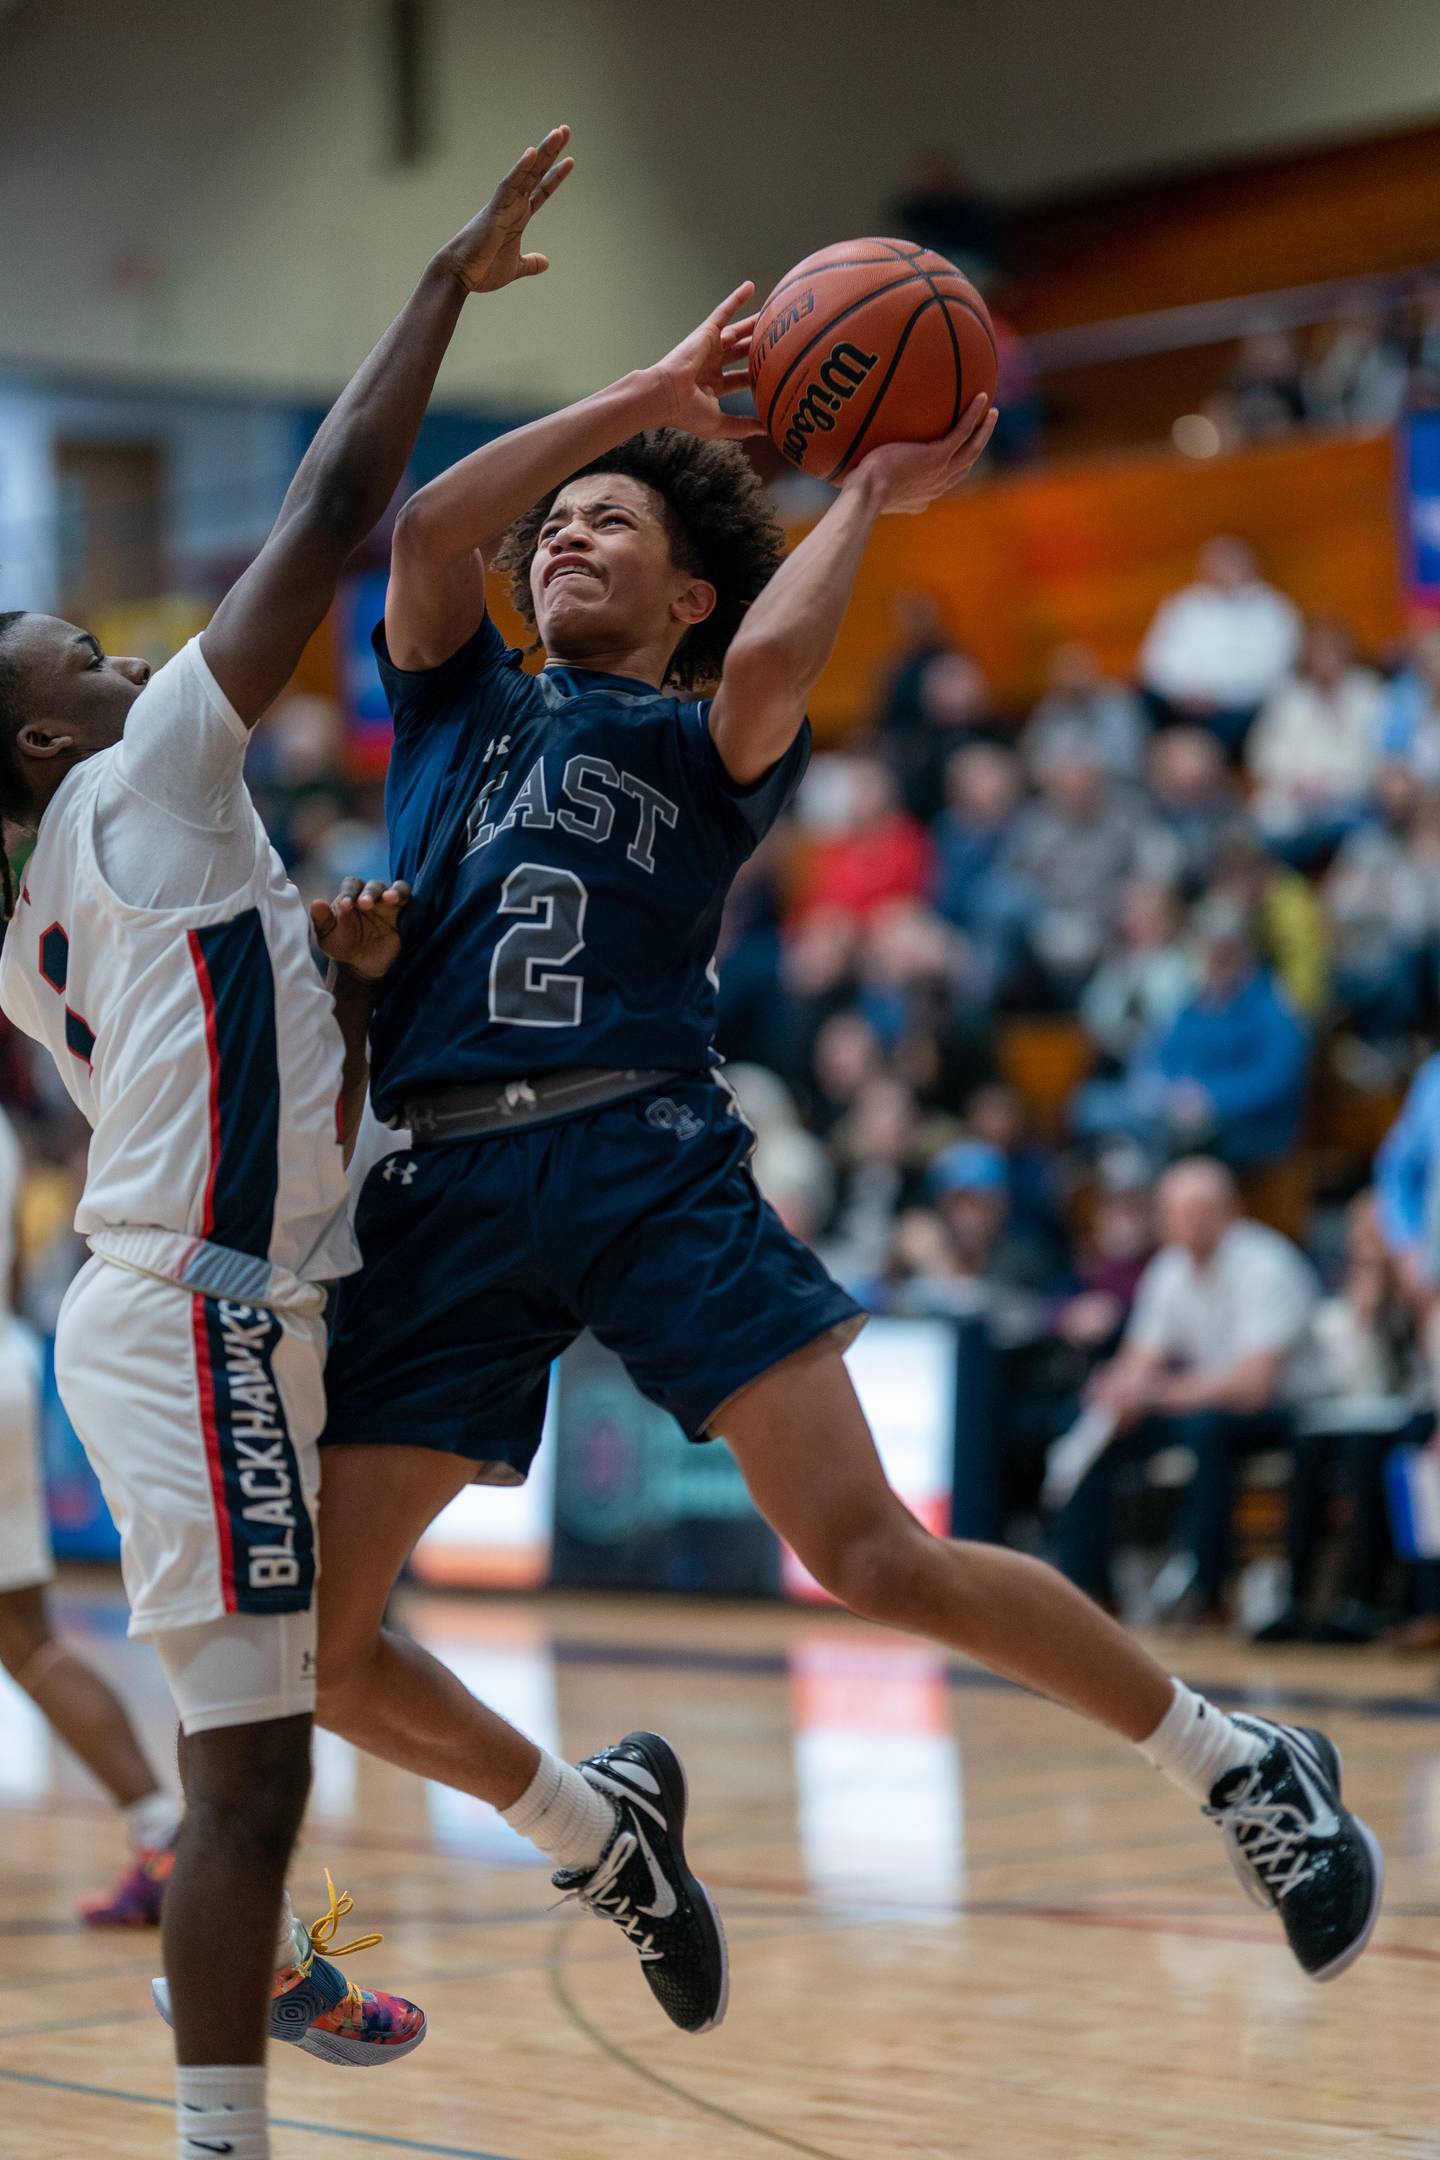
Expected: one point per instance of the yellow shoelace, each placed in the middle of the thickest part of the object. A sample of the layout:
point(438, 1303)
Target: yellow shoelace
point(325, 1929)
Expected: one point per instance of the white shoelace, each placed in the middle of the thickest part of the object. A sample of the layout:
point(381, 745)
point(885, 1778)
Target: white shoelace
point(600, 1894)
point(1264, 1840)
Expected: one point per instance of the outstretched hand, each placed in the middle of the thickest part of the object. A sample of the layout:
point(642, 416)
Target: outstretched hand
point(911, 476)
point(487, 254)
point(713, 362)
point(360, 929)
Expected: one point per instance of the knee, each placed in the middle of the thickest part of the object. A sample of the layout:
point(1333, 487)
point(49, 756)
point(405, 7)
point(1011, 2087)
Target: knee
point(24, 1631)
point(248, 1785)
point(342, 1680)
point(878, 1571)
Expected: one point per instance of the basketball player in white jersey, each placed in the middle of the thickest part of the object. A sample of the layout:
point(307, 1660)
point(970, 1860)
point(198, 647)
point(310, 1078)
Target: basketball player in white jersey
point(76, 1702)
point(159, 952)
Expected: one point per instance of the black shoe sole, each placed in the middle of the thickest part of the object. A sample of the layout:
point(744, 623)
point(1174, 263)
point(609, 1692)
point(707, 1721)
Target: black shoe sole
point(1330, 1756)
point(669, 1772)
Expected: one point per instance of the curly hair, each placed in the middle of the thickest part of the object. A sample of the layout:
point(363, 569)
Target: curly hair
point(720, 525)
point(15, 805)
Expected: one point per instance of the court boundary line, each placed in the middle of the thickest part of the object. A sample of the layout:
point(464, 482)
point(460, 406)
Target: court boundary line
point(621, 2056)
point(278, 2122)
point(777, 1664)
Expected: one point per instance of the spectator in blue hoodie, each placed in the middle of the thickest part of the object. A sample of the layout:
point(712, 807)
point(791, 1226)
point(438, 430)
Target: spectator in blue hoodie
point(985, 793)
point(1227, 1074)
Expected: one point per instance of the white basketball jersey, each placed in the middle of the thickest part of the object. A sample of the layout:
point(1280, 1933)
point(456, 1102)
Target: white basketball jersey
point(198, 1041)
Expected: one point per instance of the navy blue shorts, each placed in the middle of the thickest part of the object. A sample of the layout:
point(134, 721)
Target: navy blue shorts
point(484, 1259)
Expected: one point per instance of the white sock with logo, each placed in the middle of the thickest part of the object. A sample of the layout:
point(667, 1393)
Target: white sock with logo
point(1195, 1744)
point(564, 1814)
point(153, 1824)
point(221, 2110)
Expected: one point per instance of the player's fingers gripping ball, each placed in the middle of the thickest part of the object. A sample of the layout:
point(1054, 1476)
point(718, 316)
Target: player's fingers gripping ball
point(864, 343)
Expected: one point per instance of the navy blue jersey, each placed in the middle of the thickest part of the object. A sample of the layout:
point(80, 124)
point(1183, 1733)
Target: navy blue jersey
point(570, 838)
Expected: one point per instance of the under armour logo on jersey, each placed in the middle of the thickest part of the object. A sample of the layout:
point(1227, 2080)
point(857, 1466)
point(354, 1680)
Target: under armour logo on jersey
point(478, 829)
point(400, 1169)
point(673, 1117)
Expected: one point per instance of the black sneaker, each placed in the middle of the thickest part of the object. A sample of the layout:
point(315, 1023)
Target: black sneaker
point(1297, 1850)
point(641, 1882)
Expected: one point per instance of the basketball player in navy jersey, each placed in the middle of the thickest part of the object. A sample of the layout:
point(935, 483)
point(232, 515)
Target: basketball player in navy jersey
point(545, 1040)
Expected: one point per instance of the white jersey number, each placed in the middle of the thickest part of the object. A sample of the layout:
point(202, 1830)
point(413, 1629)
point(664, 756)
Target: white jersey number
point(527, 988)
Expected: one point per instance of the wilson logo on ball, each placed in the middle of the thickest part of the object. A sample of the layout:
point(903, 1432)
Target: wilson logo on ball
point(837, 379)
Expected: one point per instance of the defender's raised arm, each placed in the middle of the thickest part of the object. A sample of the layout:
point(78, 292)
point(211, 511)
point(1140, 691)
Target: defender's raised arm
point(354, 465)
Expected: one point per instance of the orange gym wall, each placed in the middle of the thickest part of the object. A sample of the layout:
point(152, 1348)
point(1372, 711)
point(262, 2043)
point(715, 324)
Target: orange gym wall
point(1021, 565)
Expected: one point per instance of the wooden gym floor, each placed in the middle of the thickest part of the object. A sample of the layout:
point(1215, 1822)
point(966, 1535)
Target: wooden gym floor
point(961, 1922)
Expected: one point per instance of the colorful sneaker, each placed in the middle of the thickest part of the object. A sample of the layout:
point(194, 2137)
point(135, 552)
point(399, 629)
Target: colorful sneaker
point(1298, 1850)
point(642, 1883)
point(317, 2009)
point(136, 1899)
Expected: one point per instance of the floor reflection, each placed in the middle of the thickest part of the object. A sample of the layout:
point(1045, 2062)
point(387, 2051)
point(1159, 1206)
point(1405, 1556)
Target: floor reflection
point(880, 1796)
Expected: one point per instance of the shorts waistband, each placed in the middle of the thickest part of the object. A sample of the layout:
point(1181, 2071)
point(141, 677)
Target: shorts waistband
point(208, 1270)
point(468, 1113)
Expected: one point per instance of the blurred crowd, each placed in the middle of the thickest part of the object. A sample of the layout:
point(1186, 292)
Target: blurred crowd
point(1376, 358)
point(1000, 973)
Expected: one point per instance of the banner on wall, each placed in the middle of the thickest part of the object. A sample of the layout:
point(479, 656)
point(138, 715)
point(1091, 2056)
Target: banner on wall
point(359, 606)
point(1421, 508)
point(637, 1507)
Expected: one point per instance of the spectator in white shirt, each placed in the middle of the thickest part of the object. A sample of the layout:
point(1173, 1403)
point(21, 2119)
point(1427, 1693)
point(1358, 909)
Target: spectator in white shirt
point(1216, 649)
point(1213, 1360)
point(1314, 750)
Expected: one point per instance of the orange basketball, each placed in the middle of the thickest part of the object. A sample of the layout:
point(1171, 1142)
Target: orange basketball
point(868, 342)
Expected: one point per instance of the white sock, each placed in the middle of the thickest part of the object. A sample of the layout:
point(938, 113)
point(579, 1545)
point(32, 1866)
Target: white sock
point(564, 1814)
point(221, 2110)
point(285, 1939)
point(153, 1824)
point(1195, 1744)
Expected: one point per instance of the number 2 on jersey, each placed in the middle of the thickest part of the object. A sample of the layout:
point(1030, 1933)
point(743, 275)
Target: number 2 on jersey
point(527, 987)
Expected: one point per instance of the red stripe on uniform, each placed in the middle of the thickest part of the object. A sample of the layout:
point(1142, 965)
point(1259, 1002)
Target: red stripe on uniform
point(205, 1383)
point(212, 1045)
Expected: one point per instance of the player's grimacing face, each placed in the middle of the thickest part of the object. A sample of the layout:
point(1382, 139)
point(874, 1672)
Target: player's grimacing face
point(603, 574)
point(72, 686)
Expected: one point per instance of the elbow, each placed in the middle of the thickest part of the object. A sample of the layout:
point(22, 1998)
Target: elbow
point(424, 537)
point(424, 532)
point(338, 511)
point(414, 523)
point(764, 665)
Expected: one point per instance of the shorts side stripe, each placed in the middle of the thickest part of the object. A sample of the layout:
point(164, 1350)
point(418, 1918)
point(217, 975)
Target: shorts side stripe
point(237, 990)
point(209, 1426)
point(255, 1467)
